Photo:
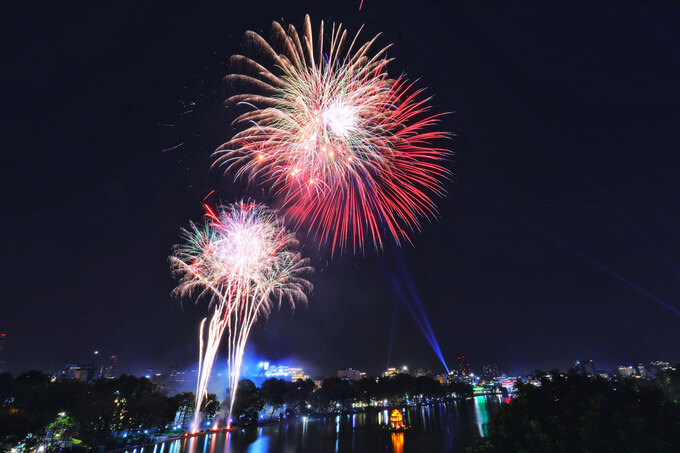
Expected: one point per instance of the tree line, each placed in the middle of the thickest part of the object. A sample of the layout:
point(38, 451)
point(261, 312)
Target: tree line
point(334, 394)
point(94, 414)
point(577, 412)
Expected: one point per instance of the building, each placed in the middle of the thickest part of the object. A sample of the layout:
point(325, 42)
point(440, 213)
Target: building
point(390, 372)
point(282, 372)
point(77, 373)
point(351, 374)
point(657, 367)
point(490, 372)
point(3, 337)
point(110, 370)
point(585, 367)
point(297, 374)
point(659, 364)
point(394, 371)
point(443, 379)
point(626, 371)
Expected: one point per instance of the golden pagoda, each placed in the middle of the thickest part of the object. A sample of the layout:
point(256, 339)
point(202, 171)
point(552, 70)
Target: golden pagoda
point(397, 420)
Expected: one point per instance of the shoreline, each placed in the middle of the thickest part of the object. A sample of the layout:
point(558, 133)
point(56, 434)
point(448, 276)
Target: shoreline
point(277, 421)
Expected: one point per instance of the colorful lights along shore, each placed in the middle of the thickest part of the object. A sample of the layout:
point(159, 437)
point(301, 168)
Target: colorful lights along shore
point(244, 261)
point(349, 152)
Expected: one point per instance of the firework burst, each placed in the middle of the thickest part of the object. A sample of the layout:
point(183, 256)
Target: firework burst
point(244, 261)
point(350, 151)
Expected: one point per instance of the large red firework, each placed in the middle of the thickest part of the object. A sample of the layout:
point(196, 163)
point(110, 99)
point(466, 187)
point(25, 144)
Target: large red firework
point(351, 152)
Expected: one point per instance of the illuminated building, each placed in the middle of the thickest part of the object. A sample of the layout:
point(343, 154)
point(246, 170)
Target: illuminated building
point(658, 366)
point(422, 372)
point(509, 383)
point(490, 372)
point(444, 379)
point(390, 372)
point(351, 374)
point(626, 371)
point(298, 374)
point(285, 372)
point(585, 367)
point(3, 337)
point(77, 373)
point(110, 370)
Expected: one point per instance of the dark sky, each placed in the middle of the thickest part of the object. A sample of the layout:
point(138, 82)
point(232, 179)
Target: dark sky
point(567, 123)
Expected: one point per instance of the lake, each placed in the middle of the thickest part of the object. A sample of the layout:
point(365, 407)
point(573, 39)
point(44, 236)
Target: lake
point(439, 427)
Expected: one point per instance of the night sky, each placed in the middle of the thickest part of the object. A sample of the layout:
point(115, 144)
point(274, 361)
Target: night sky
point(563, 204)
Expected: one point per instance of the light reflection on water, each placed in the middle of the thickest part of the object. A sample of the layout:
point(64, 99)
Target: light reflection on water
point(437, 427)
point(482, 416)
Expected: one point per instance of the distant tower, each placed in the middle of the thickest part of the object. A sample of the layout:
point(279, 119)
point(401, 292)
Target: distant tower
point(114, 366)
point(490, 372)
point(111, 370)
point(585, 367)
point(3, 337)
point(463, 365)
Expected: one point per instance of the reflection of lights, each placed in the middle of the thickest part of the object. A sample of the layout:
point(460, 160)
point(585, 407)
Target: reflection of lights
point(481, 415)
point(398, 442)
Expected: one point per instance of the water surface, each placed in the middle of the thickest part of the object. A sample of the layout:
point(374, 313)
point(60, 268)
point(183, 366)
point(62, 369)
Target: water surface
point(440, 427)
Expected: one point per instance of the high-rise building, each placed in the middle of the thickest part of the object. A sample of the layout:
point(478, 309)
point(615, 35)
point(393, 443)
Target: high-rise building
point(490, 372)
point(626, 371)
point(585, 367)
point(390, 372)
point(84, 373)
point(656, 367)
point(110, 369)
point(464, 366)
point(350, 374)
point(3, 337)
point(421, 372)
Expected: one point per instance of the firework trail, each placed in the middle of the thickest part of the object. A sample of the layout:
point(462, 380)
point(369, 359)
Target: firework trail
point(244, 261)
point(348, 150)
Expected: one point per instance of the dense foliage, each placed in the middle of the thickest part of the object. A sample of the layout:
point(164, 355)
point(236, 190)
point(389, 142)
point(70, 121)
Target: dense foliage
point(583, 413)
point(335, 394)
point(93, 413)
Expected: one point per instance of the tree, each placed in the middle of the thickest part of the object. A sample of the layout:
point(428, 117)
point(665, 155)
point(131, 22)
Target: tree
point(273, 392)
point(184, 404)
point(582, 413)
point(366, 388)
point(298, 393)
point(248, 403)
point(210, 406)
point(669, 381)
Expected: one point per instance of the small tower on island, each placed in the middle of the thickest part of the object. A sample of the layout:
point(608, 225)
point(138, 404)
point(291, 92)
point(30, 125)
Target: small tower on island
point(396, 420)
